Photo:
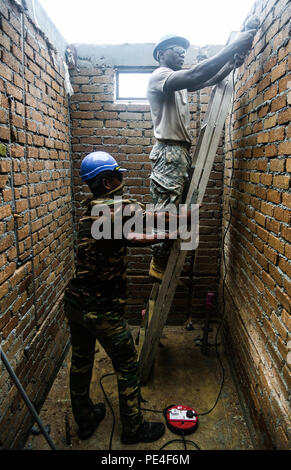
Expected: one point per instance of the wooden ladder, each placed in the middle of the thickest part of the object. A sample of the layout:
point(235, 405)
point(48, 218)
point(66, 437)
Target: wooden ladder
point(162, 294)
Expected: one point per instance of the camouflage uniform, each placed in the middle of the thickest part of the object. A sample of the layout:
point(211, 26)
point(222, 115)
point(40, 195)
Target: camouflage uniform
point(169, 182)
point(94, 304)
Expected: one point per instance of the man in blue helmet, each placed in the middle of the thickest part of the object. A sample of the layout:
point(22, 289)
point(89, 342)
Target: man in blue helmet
point(167, 94)
point(94, 303)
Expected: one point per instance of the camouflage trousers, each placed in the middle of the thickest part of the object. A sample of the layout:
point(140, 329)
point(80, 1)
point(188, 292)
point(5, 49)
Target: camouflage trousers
point(169, 183)
point(114, 335)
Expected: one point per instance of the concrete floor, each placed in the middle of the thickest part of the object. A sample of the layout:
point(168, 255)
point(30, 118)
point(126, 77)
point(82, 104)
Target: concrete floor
point(181, 375)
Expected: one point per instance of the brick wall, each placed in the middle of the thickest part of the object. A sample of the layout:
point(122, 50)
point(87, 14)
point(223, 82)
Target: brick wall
point(35, 216)
point(125, 131)
point(36, 230)
point(257, 247)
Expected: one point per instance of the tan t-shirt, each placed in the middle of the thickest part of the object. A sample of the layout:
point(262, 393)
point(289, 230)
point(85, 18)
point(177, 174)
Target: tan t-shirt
point(169, 109)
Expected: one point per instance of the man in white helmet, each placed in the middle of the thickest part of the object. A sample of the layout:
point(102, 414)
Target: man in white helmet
point(168, 97)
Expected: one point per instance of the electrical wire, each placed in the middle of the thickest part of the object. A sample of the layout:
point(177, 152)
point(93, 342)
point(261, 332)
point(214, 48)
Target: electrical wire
point(144, 409)
point(224, 259)
point(178, 440)
point(229, 204)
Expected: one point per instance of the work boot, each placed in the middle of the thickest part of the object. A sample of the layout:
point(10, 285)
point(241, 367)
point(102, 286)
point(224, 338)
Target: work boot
point(148, 432)
point(88, 426)
point(156, 270)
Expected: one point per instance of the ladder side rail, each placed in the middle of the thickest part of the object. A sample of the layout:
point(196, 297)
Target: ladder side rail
point(200, 158)
point(203, 126)
point(215, 141)
point(158, 320)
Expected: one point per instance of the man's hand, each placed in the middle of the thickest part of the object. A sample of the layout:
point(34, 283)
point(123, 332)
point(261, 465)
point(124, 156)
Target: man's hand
point(243, 42)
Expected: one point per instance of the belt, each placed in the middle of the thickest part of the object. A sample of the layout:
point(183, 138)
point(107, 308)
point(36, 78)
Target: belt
point(182, 143)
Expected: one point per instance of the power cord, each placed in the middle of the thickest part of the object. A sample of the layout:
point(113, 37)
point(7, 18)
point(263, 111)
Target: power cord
point(184, 442)
point(144, 409)
point(224, 260)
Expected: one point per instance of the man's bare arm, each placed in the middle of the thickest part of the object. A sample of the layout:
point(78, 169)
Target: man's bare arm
point(196, 77)
point(224, 72)
point(146, 239)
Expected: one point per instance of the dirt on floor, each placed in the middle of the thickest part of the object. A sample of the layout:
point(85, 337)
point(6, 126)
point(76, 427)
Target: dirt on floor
point(181, 375)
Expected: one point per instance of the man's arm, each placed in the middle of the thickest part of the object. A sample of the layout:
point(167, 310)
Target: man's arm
point(144, 239)
point(223, 72)
point(196, 77)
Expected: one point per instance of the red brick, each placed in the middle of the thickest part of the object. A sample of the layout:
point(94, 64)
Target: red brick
point(286, 319)
point(274, 196)
point(268, 280)
point(275, 274)
point(285, 148)
point(284, 116)
point(286, 233)
point(267, 209)
point(285, 266)
point(7, 272)
point(284, 299)
point(10, 326)
point(5, 211)
point(271, 121)
point(282, 214)
point(278, 71)
point(82, 115)
point(260, 218)
point(278, 103)
point(277, 165)
point(271, 92)
point(281, 181)
point(271, 150)
point(286, 200)
point(262, 233)
point(275, 243)
point(267, 179)
point(270, 254)
point(271, 299)
point(4, 133)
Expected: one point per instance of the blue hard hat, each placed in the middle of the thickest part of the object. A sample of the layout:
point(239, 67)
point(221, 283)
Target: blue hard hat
point(95, 163)
point(168, 41)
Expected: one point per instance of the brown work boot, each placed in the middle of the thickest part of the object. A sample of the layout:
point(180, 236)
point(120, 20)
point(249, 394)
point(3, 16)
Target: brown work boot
point(148, 432)
point(157, 269)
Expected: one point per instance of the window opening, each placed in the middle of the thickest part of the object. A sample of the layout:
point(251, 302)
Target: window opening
point(131, 86)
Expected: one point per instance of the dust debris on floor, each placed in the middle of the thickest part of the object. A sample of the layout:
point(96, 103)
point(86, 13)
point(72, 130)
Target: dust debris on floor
point(181, 375)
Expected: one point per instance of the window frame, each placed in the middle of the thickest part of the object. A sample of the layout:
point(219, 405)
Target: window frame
point(129, 70)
